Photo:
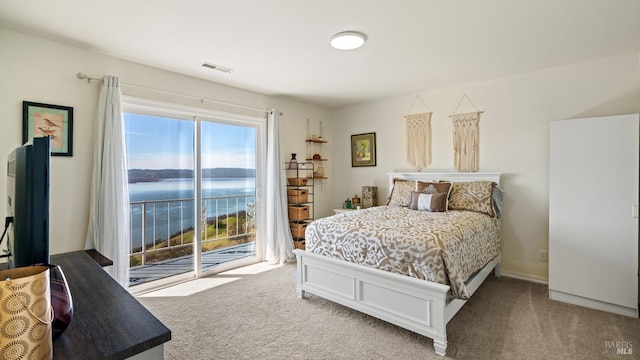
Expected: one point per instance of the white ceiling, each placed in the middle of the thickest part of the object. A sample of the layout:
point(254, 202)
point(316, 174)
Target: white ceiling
point(281, 47)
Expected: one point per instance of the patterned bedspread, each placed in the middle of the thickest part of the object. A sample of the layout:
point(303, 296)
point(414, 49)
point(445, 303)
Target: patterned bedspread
point(444, 247)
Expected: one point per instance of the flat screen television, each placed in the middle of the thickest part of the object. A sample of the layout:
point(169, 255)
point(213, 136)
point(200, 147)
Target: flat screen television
point(28, 170)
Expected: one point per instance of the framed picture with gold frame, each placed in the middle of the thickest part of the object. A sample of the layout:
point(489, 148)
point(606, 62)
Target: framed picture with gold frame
point(363, 150)
point(54, 121)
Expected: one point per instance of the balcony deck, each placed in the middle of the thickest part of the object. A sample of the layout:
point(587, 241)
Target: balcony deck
point(163, 269)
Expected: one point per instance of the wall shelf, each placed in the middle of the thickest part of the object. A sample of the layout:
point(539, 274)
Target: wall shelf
point(315, 150)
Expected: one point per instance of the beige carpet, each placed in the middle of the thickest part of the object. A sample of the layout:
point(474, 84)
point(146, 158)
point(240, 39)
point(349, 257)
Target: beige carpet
point(260, 317)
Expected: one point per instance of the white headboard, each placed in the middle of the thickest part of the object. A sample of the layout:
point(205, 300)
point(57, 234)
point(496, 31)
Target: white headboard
point(449, 176)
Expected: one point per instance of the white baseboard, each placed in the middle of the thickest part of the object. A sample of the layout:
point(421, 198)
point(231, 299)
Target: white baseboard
point(525, 277)
point(593, 304)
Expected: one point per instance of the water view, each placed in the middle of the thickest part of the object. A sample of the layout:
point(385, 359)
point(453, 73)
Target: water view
point(162, 159)
point(171, 201)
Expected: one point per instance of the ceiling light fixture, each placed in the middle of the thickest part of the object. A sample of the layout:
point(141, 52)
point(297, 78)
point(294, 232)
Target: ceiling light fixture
point(347, 40)
point(218, 67)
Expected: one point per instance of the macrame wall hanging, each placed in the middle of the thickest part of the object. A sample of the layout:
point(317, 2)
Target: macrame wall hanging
point(466, 138)
point(419, 137)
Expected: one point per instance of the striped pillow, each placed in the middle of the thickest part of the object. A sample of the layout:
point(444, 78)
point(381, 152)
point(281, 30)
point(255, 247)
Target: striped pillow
point(428, 202)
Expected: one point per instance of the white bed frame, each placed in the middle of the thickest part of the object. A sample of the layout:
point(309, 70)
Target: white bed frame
point(417, 305)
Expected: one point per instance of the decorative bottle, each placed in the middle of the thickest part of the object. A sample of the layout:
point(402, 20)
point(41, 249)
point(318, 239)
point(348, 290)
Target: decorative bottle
point(355, 202)
point(293, 163)
point(347, 204)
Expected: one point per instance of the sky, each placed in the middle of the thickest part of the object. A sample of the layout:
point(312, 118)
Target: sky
point(155, 142)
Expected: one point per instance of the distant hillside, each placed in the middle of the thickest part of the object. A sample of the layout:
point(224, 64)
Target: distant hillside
point(146, 175)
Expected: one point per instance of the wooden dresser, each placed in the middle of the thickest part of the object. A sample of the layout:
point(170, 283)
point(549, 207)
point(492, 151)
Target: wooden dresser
point(108, 322)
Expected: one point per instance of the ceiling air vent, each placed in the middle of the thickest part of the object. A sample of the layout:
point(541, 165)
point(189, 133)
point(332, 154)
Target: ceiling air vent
point(218, 67)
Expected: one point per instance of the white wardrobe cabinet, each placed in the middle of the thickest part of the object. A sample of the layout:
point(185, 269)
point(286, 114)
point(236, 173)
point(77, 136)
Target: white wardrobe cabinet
point(593, 212)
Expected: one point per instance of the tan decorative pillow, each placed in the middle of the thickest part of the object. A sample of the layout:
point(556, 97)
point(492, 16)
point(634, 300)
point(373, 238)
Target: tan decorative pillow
point(428, 202)
point(401, 192)
point(435, 187)
point(473, 196)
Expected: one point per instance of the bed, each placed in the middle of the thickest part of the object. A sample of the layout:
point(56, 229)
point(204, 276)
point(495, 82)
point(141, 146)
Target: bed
point(367, 260)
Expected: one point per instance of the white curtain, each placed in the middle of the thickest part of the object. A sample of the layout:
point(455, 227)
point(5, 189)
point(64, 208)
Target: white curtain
point(108, 230)
point(279, 243)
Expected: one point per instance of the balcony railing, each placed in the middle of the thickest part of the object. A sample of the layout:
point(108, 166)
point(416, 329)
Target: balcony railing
point(164, 229)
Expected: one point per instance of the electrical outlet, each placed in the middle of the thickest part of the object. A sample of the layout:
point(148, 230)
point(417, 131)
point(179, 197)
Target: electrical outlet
point(542, 255)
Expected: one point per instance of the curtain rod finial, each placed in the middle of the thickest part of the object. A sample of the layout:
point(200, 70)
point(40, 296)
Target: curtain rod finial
point(83, 76)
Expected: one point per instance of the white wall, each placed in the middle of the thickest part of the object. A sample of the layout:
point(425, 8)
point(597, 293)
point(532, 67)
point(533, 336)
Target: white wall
point(513, 130)
point(514, 139)
point(39, 70)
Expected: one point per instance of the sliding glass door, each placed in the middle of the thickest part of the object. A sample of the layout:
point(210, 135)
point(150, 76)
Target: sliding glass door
point(228, 192)
point(194, 178)
point(161, 158)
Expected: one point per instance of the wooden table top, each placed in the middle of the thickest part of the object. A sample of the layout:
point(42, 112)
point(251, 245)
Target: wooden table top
point(108, 322)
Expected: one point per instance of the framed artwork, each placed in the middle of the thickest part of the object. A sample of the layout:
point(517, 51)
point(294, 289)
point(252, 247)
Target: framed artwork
point(54, 121)
point(363, 150)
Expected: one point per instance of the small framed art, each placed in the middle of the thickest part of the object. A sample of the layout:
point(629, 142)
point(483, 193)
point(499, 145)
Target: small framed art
point(363, 150)
point(54, 121)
